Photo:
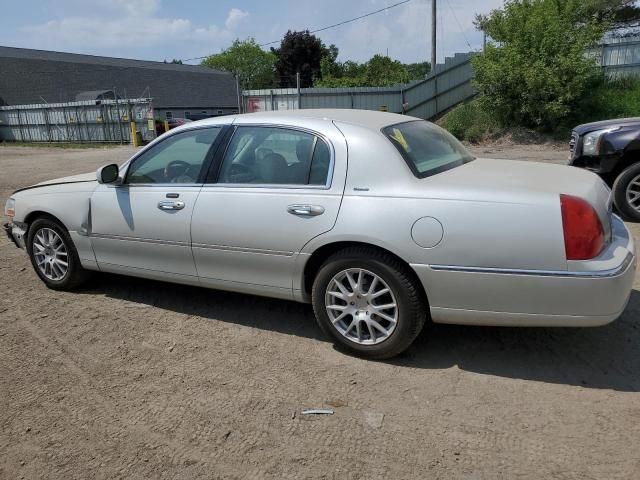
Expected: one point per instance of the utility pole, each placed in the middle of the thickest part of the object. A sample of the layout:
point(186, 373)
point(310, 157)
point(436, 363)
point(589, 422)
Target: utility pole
point(433, 35)
point(298, 89)
point(238, 93)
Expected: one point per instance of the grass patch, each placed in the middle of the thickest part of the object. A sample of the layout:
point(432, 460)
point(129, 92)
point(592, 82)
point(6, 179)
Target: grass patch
point(469, 122)
point(608, 99)
point(611, 99)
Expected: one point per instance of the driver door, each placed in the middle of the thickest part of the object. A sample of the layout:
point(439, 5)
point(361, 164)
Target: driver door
point(143, 225)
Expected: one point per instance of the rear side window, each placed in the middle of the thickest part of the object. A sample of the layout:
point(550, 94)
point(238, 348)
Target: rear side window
point(275, 156)
point(427, 148)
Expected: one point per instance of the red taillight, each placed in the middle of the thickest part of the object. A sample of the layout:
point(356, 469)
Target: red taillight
point(583, 232)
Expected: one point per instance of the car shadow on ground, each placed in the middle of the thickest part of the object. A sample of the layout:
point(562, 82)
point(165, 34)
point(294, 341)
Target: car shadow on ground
point(605, 357)
point(264, 313)
point(600, 357)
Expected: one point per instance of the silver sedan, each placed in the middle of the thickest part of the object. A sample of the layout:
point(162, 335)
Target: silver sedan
point(381, 221)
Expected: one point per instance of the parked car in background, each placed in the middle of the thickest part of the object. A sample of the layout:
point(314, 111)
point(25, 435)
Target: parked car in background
point(172, 123)
point(611, 149)
point(177, 122)
point(414, 229)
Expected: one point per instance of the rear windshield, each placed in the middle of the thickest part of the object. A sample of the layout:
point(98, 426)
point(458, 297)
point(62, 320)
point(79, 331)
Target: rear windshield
point(427, 148)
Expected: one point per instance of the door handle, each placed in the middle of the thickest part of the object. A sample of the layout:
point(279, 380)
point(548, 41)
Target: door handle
point(305, 210)
point(170, 205)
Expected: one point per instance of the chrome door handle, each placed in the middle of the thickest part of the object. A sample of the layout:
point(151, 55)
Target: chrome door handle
point(170, 205)
point(305, 210)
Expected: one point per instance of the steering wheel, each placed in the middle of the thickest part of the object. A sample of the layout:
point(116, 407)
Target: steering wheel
point(239, 173)
point(176, 169)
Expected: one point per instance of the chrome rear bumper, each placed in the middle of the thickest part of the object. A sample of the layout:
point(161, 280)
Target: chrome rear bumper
point(588, 293)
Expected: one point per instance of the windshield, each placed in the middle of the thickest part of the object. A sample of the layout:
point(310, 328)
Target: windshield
point(427, 148)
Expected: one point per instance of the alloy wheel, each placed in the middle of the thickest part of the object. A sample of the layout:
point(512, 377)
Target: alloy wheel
point(633, 193)
point(361, 306)
point(50, 253)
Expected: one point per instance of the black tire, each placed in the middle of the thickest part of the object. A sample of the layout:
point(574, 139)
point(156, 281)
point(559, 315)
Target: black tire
point(620, 192)
point(411, 301)
point(75, 275)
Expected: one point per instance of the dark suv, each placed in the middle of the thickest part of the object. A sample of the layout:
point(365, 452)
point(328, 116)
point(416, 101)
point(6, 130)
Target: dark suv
point(611, 149)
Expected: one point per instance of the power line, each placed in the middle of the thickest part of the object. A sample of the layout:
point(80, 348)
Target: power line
point(459, 25)
point(344, 22)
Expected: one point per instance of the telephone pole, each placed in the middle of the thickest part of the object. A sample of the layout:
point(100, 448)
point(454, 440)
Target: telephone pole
point(433, 35)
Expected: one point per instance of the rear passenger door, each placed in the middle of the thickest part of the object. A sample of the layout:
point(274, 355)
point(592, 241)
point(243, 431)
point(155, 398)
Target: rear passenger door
point(275, 188)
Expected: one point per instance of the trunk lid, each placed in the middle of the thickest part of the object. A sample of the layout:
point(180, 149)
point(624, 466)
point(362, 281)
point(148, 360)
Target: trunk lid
point(500, 180)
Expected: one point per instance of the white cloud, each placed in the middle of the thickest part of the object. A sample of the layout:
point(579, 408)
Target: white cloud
point(144, 29)
point(234, 18)
point(152, 32)
point(138, 7)
point(141, 29)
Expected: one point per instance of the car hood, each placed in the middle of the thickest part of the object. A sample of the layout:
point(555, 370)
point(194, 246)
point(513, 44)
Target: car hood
point(616, 122)
point(83, 177)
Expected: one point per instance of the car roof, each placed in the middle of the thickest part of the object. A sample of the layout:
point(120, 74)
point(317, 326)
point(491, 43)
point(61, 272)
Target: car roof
point(365, 118)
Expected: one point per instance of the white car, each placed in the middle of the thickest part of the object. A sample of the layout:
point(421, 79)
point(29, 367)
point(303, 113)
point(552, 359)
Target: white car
point(382, 221)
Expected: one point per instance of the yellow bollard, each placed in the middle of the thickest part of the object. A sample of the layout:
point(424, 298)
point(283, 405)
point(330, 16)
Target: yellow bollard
point(166, 125)
point(134, 136)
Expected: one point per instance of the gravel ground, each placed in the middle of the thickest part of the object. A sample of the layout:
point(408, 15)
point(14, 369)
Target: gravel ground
point(140, 379)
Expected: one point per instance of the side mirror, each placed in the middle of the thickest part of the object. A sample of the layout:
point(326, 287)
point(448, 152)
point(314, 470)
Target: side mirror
point(108, 173)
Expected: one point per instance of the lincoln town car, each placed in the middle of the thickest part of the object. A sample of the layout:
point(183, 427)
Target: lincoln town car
point(381, 221)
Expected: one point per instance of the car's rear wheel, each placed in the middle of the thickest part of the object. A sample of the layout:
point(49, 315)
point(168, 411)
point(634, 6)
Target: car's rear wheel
point(626, 192)
point(53, 255)
point(368, 302)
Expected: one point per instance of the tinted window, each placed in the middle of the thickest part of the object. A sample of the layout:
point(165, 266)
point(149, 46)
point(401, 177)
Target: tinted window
point(275, 156)
point(427, 148)
point(178, 159)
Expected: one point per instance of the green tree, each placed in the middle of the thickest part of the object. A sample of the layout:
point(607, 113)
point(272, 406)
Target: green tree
point(534, 72)
point(419, 70)
point(301, 52)
point(379, 71)
point(254, 66)
point(382, 71)
point(619, 12)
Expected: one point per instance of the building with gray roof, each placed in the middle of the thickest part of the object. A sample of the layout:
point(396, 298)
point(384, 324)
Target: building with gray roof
point(38, 76)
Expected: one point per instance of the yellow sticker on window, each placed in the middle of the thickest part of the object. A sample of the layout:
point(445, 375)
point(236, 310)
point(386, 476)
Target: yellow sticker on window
point(398, 137)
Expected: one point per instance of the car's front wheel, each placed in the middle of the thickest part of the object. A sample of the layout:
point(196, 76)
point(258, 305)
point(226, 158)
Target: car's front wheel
point(369, 302)
point(53, 255)
point(626, 192)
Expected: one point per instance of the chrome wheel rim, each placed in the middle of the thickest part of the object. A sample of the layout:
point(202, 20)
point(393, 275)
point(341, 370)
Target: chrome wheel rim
point(633, 193)
point(361, 306)
point(51, 254)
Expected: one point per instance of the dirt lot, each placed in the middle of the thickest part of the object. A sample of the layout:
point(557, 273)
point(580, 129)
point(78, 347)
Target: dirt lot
point(139, 379)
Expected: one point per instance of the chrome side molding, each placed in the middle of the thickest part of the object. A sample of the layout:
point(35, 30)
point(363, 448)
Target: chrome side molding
point(541, 273)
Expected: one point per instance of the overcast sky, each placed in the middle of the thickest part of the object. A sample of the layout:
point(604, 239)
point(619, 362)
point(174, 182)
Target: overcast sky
point(166, 29)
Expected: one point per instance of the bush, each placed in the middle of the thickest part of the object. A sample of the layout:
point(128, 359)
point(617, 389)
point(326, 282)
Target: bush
point(535, 73)
point(471, 123)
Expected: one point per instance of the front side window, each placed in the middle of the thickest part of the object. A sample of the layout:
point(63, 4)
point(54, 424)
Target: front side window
point(275, 156)
point(178, 159)
point(427, 148)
